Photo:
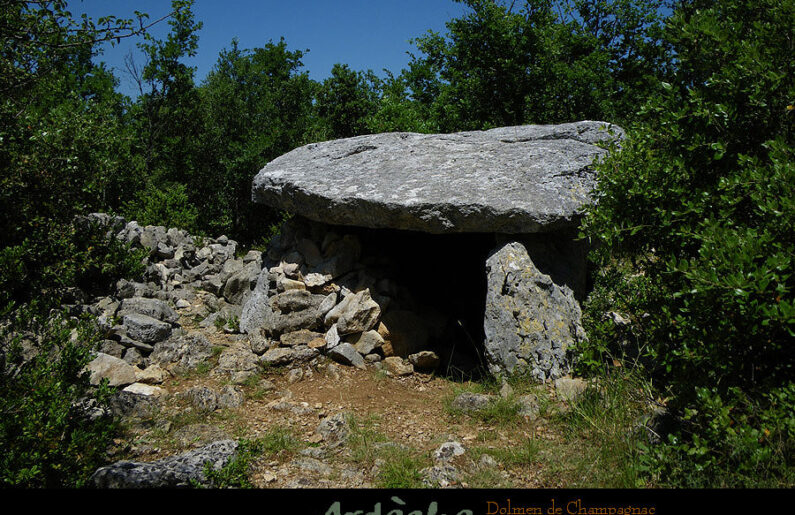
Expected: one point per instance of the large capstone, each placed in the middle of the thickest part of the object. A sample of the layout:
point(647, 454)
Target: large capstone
point(530, 322)
point(514, 180)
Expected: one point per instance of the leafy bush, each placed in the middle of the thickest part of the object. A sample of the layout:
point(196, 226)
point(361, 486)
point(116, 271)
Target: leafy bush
point(167, 205)
point(696, 214)
point(55, 257)
point(48, 436)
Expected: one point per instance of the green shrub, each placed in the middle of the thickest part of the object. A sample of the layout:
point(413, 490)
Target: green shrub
point(695, 214)
point(46, 439)
point(235, 474)
point(59, 256)
point(163, 204)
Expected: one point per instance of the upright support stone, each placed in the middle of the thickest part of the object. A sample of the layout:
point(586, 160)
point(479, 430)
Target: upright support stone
point(530, 322)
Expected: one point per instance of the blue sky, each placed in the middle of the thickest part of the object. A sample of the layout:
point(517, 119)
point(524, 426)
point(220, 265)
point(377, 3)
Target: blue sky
point(364, 34)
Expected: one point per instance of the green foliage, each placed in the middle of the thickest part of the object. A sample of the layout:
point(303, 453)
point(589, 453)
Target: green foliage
point(256, 106)
point(729, 441)
point(699, 202)
point(46, 439)
point(544, 62)
point(164, 204)
point(401, 469)
point(57, 257)
point(235, 474)
point(345, 101)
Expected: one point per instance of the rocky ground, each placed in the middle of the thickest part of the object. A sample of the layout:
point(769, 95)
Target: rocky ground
point(416, 430)
point(289, 410)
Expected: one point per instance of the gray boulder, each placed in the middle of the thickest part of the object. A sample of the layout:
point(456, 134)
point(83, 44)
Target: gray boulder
point(182, 353)
point(145, 328)
point(176, 471)
point(530, 321)
point(522, 179)
point(150, 307)
point(346, 354)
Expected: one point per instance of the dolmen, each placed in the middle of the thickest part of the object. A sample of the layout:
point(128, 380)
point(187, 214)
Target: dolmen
point(448, 252)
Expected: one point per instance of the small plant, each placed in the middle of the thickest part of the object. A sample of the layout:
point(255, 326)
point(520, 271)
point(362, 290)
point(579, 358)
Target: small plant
point(363, 436)
point(279, 440)
point(47, 437)
point(401, 469)
point(235, 474)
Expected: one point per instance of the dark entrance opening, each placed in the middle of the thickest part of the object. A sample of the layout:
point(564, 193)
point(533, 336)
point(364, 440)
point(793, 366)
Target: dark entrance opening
point(441, 280)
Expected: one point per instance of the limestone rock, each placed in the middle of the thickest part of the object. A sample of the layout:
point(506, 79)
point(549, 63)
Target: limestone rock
point(117, 371)
point(470, 402)
point(361, 314)
point(346, 354)
point(182, 352)
point(532, 178)
point(529, 321)
point(367, 342)
point(447, 451)
point(569, 389)
point(425, 360)
point(397, 366)
point(175, 471)
point(334, 429)
point(151, 307)
point(145, 328)
point(302, 337)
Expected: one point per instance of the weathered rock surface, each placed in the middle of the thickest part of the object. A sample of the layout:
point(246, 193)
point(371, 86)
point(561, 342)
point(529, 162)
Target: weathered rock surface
point(117, 371)
point(145, 328)
point(521, 179)
point(172, 472)
point(530, 321)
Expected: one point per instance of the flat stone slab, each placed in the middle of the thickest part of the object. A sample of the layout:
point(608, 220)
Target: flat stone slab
point(524, 179)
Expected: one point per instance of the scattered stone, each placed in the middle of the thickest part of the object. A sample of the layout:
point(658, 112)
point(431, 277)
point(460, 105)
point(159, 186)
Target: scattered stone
point(397, 366)
point(182, 304)
point(230, 397)
point(118, 372)
point(278, 356)
point(152, 374)
point(487, 461)
point(366, 342)
point(154, 308)
point(361, 314)
point(568, 389)
point(145, 328)
point(471, 402)
point(506, 391)
point(334, 429)
point(302, 337)
point(528, 406)
point(312, 465)
point(346, 354)
point(294, 375)
point(236, 359)
point(447, 451)
point(145, 389)
point(202, 398)
point(332, 337)
point(182, 352)
point(425, 360)
point(443, 475)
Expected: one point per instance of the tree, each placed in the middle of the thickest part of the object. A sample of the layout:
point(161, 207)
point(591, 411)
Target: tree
point(541, 62)
point(345, 100)
point(256, 105)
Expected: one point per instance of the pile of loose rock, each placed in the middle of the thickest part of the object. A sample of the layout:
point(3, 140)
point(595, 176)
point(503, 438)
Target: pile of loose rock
point(320, 293)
